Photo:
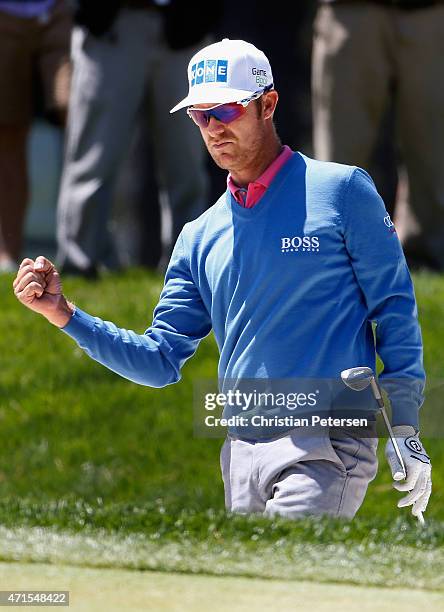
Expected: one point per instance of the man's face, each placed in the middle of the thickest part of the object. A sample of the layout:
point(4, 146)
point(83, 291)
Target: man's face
point(234, 146)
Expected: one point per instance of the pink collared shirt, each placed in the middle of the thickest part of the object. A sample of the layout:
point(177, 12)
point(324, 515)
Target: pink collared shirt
point(248, 197)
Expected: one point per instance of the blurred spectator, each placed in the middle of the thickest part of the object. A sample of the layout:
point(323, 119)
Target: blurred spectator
point(34, 35)
point(141, 220)
point(385, 162)
point(364, 52)
point(127, 55)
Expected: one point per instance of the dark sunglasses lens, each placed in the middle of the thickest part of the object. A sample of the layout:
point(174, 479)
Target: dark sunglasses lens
point(226, 113)
point(201, 118)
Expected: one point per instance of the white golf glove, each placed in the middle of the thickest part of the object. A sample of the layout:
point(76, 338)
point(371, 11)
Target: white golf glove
point(418, 468)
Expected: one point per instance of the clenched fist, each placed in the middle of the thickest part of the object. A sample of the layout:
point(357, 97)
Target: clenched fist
point(38, 286)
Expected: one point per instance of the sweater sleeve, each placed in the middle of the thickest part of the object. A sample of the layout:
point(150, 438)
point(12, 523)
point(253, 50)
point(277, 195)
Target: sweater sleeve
point(155, 357)
point(383, 276)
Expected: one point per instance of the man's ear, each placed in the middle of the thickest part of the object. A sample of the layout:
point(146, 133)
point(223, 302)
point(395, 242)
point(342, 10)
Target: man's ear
point(269, 102)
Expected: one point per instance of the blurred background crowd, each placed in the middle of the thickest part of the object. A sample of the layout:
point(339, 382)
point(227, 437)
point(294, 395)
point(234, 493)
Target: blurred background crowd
point(97, 174)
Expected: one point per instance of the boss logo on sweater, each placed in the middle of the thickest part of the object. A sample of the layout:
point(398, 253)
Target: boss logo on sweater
point(300, 243)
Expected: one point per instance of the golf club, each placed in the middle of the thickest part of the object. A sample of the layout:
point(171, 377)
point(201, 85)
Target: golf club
point(358, 379)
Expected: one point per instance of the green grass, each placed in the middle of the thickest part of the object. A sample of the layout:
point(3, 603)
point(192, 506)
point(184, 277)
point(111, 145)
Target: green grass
point(68, 425)
point(83, 449)
point(400, 555)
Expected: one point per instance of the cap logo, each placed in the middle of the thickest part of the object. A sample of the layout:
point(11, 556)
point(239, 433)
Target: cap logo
point(261, 76)
point(209, 71)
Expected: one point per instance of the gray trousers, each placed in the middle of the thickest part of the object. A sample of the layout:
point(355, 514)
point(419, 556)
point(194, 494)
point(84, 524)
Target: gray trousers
point(112, 75)
point(360, 51)
point(296, 475)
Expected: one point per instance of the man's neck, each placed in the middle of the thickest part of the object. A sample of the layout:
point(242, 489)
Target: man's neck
point(243, 177)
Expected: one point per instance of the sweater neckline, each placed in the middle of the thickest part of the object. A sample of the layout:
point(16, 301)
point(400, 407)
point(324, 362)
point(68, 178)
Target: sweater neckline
point(263, 203)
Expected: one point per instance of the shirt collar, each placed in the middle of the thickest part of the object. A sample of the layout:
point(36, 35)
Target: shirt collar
point(266, 178)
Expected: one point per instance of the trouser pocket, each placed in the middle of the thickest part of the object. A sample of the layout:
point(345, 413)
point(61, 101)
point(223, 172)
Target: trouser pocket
point(347, 448)
point(357, 455)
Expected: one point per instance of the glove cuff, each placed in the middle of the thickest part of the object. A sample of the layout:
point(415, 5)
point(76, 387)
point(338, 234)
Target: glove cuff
point(404, 431)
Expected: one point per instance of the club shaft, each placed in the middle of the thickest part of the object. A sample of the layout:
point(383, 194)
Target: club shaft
point(393, 439)
point(379, 398)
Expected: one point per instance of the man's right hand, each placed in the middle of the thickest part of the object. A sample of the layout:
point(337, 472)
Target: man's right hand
point(38, 286)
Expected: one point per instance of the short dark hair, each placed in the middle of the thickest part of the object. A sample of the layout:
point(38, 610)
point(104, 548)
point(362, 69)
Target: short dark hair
point(258, 103)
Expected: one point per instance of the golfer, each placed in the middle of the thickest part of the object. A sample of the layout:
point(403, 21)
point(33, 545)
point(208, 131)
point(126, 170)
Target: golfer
point(290, 268)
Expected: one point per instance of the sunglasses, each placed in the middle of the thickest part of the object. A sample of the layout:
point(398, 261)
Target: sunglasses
point(225, 113)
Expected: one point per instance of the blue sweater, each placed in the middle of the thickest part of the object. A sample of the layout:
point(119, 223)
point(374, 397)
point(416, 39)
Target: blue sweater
point(290, 288)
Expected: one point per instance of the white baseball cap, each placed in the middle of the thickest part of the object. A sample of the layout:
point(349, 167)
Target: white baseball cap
point(226, 71)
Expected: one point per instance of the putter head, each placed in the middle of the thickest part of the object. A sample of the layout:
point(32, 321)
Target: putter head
point(357, 378)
